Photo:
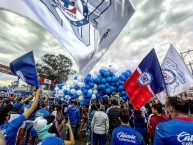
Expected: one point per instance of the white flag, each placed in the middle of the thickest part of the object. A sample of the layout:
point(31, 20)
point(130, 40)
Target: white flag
point(85, 28)
point(177, 76)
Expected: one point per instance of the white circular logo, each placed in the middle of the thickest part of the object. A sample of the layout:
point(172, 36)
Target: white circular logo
point(144, 79)
point(169, 76)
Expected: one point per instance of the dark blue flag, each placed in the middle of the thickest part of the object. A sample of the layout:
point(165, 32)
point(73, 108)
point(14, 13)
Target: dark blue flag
point(24, 67)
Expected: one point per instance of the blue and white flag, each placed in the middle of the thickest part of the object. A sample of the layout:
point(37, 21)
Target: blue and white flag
point(177, 76)
point(10, 90)
point(85, 28)
point(25, 68)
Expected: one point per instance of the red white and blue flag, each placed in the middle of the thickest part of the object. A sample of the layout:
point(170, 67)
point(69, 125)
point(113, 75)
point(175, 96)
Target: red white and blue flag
point(146, 81)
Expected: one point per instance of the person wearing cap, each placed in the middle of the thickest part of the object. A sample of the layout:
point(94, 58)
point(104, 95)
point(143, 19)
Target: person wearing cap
point(179, 130)
point(100, 126)
point(125, 135)
point(10, 129)
point(43, 126)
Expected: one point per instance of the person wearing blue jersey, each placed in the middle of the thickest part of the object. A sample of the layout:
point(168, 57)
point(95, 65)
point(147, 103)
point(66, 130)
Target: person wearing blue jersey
point(10, 129)
point(125, 135)
point(179, 130)
point(42, 112)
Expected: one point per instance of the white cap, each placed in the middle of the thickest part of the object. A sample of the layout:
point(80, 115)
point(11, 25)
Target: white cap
point(39, 123)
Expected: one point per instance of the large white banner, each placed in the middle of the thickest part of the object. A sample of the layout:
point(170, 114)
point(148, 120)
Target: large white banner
point(177, 76)
point(86, 28)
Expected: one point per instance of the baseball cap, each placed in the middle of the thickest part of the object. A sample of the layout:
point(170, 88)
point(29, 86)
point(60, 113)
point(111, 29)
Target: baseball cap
point(17, 106)
point(39, 123)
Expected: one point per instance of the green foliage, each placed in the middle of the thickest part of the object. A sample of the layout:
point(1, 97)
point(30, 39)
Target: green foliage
point(56, 68)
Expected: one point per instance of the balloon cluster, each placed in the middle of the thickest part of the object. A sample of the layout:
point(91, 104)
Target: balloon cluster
point(101, 84)
point(81, 89)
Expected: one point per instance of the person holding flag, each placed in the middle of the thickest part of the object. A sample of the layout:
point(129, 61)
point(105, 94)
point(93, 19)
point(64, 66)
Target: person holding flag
point(10, 129)
point(177, 76)
point(145, 82)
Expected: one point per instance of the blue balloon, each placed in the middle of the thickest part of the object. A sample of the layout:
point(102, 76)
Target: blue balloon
point(85, 91)
point(125, 98)
point(108, 80)
point(89, 95)
point(127, 74)
point(81, 103)
point(108, 91)
point(102, 86)
point(87, 79)
point(122, 77)
point(74, 96)
point(101, 71)
point(76, 87)
point(98, 95)
point(58, 99)
point(121, 82)
point(91, 84)
point(97, 80)
point(103, 80)
point(106, 74)
point(123, 93)
point(107, 85)
point(91, 80)
point(60, 86)
point(76, 77)
point(114, 79)
point(129, 71)
point(112, 88)
point(89, 75)
point(121, 88)
point(87, 87)
point(99, 87)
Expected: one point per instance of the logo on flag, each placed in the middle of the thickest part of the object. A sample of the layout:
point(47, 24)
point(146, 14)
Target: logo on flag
point(169, 76)
point(68, 9)
point(145, 79)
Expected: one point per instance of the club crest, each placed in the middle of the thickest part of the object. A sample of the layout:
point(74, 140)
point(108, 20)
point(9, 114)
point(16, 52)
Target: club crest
point(144, 79)
point(169, 76)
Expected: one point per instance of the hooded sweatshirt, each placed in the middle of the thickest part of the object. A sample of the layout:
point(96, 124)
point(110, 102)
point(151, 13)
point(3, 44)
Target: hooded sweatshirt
point(154, 121)
point(74, 115)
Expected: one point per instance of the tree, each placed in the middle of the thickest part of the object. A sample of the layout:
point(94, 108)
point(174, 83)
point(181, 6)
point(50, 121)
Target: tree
point(56, 68)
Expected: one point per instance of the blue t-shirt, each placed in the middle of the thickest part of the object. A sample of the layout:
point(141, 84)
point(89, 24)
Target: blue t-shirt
point(52, 141)
point(42, 112)
point(10, 129)
point(125, 135)
point(178, 131)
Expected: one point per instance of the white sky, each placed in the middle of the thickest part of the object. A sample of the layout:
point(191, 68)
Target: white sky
point(155, 24)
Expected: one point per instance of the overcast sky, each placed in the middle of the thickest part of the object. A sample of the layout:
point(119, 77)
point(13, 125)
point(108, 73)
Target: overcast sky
point(155, 24)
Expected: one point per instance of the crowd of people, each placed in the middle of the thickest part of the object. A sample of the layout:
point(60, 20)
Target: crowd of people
point(48, 121)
